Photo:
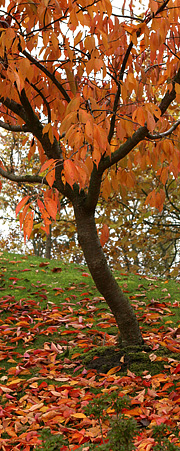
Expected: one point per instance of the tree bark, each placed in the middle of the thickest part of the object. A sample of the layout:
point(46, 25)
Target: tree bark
point(105, 282)
point(48, 244)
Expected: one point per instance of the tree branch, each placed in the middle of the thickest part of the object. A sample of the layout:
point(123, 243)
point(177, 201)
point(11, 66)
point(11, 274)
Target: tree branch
point(123, 67)
point(43, 98)
point(169, 96)
point(94, 189)
point(142, 132)
point(164, 134)
point(47, 73)
point(52, 150)
point(14, 128)
point(107, 162)
point(23, 178)
point(118, 92)
point(15, 107)
point(123, 150)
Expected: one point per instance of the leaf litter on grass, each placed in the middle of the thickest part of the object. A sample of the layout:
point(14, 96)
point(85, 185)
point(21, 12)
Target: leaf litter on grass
point(51, 318)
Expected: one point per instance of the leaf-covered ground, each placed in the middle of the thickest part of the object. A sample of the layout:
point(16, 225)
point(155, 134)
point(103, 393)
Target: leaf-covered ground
point(57, 353)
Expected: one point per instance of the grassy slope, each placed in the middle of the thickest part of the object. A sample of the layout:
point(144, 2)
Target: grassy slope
point(51, 315)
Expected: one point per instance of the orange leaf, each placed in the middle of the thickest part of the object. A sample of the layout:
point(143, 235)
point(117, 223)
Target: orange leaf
point(104, 235)
point(47, 164)
point(106, 189)
point(28, 225)
point(46, 128)
point(40, 205)
point(51, 207)
point(89, 131)
point(71, 80)
point(114, 370)
point(21, 204)
point(70, 172)
point(23, 214)
point(50, 176)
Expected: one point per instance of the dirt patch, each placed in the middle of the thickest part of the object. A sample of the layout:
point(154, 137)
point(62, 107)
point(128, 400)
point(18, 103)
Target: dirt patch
point(104, 359)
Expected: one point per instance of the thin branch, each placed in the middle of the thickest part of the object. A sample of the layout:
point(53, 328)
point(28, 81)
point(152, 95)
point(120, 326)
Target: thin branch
point(169, 96)
point(122, 71)
point(23, 178)
point(14, 128)
point(170, 201)
point(44, 100)
point(47, 73)
point(171, 51)
point(107, 162)
point(164, 134)
point(52, 150)
point(128, 17)
point(118, 92)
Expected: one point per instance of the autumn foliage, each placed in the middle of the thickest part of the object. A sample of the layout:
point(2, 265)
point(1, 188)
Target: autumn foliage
point(92, 85)
point(91, 92)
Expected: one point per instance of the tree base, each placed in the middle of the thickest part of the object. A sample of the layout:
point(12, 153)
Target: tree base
point(136, 359)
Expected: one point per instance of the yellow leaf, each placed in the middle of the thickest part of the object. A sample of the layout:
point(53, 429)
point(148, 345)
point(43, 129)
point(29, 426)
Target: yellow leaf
point(113, 370)
point(15, 381)
point(78, 415)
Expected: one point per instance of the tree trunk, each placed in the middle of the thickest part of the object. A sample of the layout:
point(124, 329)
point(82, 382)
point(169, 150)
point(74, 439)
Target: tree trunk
point(104, 279)
point(48, 244)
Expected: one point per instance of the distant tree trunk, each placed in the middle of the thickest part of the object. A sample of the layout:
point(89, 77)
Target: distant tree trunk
point(104, 279)
point(48, 243)
point(37, 247)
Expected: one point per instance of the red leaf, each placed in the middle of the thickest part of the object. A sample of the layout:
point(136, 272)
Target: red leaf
point(56, 269)
point(177, 369)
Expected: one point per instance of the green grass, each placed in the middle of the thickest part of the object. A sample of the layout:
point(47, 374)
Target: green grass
point(40, 285)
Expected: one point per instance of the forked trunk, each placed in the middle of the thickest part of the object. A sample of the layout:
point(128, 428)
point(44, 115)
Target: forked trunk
point(104, 279)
